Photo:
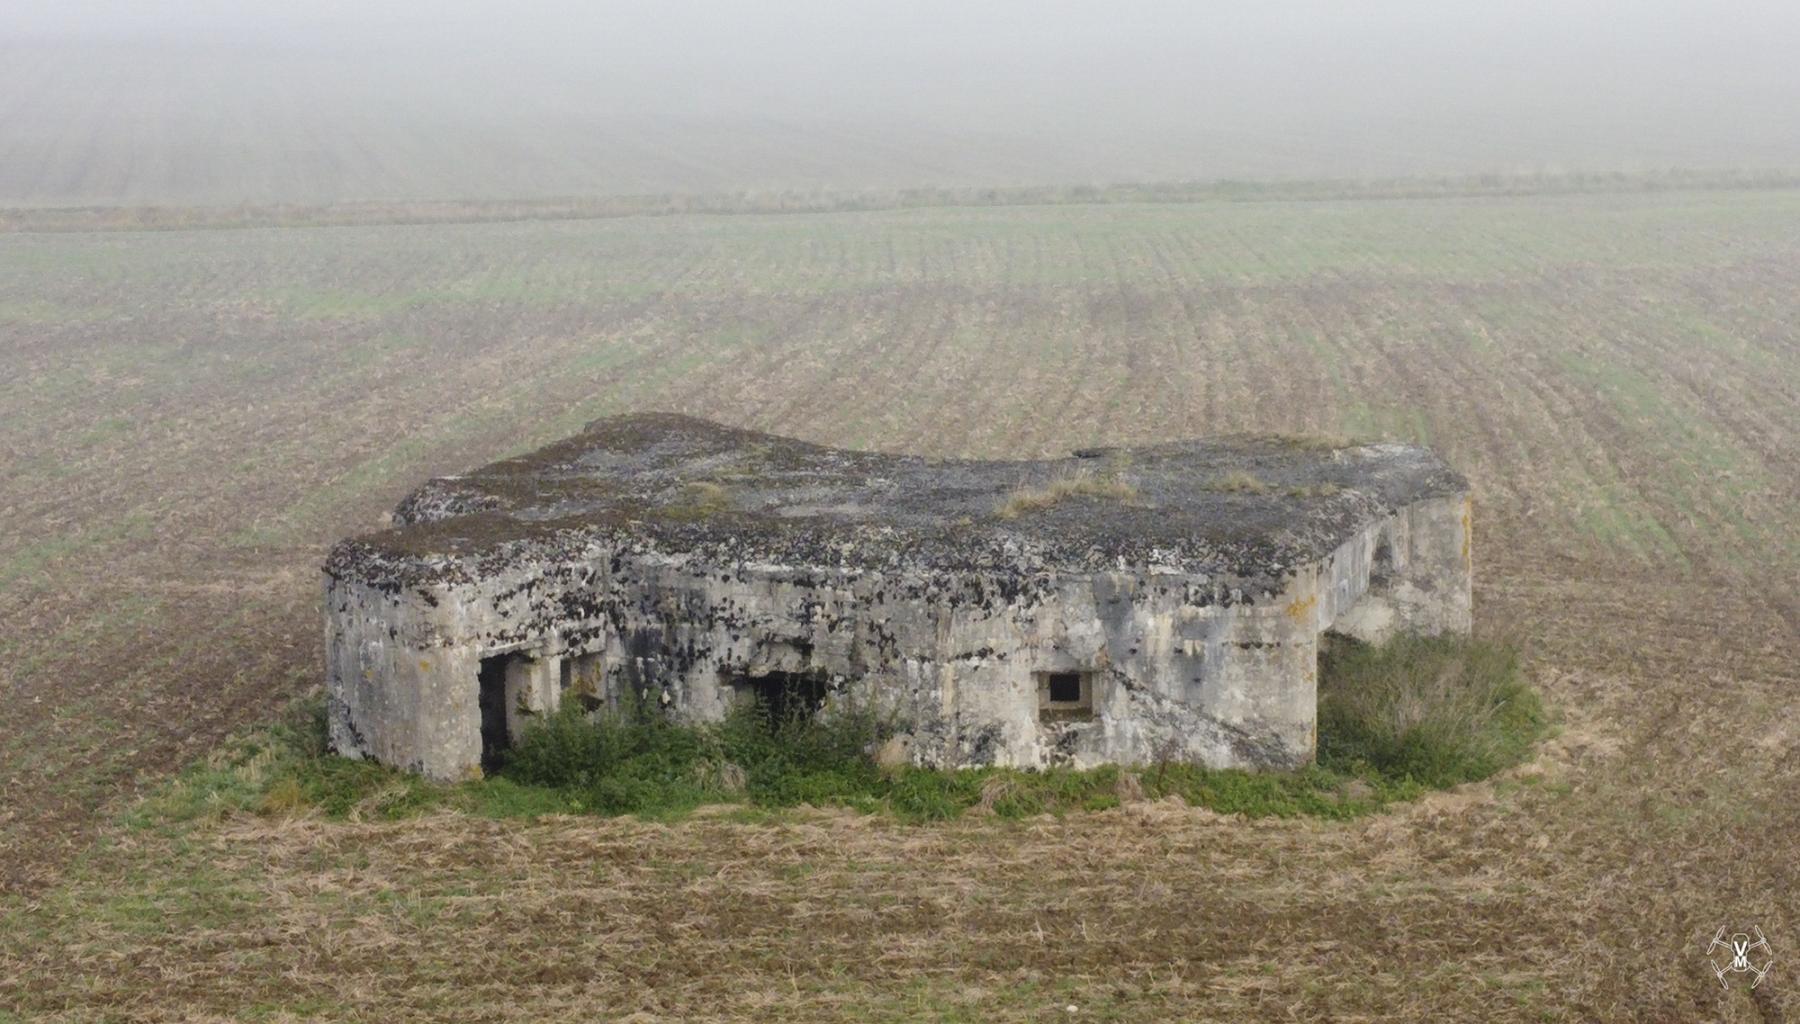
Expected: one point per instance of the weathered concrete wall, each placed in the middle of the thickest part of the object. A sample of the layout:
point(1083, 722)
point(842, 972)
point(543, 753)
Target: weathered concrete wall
point(400, 690)
point(1182, 667)
point(1410, 573)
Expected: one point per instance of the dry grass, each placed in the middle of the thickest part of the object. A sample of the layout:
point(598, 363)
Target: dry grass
point(1080, 484)
point(994, 791)
point(192, 416)
point(1240, 482)
point(1129, 789)
point(1150, 911)
point(704, 497)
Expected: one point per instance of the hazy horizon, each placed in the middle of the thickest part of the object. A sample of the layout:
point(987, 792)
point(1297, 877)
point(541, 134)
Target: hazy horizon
point(201, 102)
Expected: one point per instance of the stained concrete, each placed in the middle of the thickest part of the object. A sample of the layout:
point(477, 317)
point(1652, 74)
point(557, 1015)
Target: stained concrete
point(1184, 584)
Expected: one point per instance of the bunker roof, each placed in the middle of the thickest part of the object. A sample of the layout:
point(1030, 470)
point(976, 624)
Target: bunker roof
point(1243, 508)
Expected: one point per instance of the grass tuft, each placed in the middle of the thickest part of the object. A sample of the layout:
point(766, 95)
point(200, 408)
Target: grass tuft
point(706, 494)
point(700, 499)
point(1085, 484)
point(1240, 482)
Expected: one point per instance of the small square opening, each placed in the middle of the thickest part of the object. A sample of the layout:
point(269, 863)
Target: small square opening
point(1065, 696)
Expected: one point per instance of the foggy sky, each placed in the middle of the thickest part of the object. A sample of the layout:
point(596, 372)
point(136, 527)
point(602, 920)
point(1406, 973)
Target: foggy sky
point(1139, 89)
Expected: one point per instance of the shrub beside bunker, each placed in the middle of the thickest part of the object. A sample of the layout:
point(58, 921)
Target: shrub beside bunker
point(1436, 711)
point(1394, 721)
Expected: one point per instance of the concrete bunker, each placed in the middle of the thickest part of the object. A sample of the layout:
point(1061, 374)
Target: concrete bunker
point(666, 559)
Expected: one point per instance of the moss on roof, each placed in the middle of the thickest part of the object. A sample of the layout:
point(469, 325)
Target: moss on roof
point(680, 485)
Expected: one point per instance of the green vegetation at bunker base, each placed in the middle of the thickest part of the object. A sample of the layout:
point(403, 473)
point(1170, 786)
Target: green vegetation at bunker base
point(1394, 722)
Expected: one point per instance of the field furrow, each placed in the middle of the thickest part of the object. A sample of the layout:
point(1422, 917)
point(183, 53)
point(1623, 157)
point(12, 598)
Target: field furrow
point(193, 417)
